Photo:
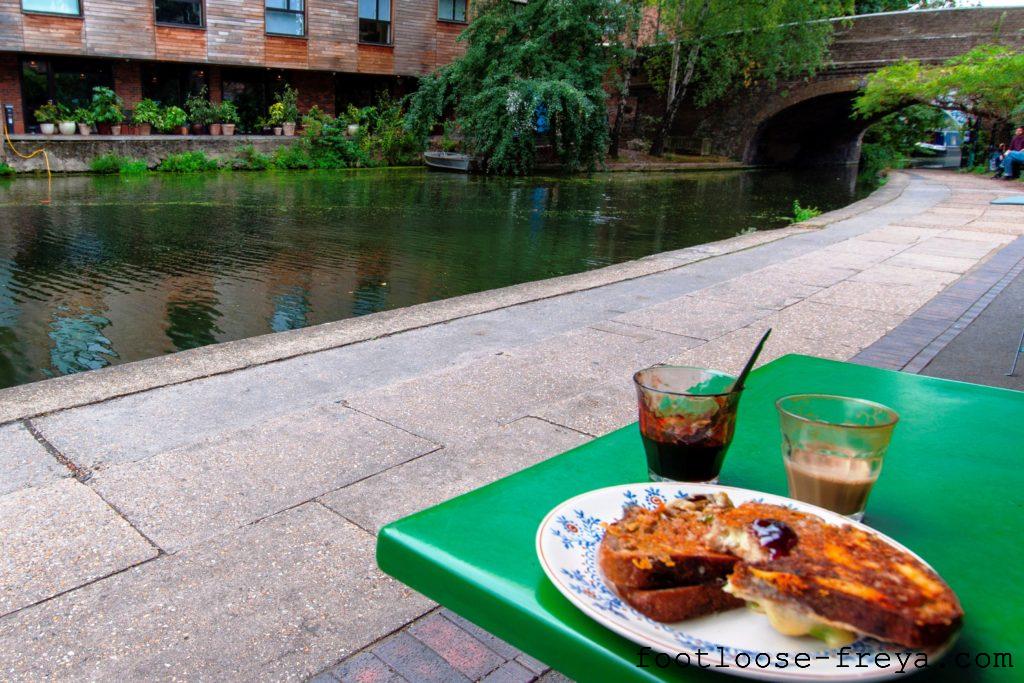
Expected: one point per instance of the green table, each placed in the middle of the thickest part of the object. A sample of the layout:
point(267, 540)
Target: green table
point(951, 490)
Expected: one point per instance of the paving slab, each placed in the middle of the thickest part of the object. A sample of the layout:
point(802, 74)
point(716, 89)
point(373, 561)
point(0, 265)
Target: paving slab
point(946, 246)
point(58, 537)
point(875, 296)
point(807, 274)
point(451, 471)
point(24, 461)
point(947, 264)
point(459, 403)
point(278, 600)
point(185, 496)
point(899, 234)
point(595, 411)
point(761, 289)
point(696, 317)
point(902, 275)
point(849, 326)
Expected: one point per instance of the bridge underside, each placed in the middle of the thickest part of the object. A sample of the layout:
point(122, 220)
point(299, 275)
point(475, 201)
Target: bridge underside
point(817, 131)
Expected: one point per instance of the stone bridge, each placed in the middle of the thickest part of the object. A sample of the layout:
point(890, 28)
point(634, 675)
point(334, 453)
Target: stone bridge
point(808, 121)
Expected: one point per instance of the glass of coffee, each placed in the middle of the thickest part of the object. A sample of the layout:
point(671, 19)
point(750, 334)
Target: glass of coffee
point(833, 449)
point(687, 418)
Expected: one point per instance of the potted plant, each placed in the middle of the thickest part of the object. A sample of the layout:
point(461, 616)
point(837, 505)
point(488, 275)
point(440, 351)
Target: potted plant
point(199, 110)
point(47, 116)
point(289, 101)
point(65, 120)
point(84, 117)
point(276, 119)
point(146, 116)
point(107, 110)
point(228, 115)
point(173, 120)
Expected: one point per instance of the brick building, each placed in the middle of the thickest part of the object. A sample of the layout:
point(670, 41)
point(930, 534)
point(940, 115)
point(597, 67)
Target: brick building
point(334, 52)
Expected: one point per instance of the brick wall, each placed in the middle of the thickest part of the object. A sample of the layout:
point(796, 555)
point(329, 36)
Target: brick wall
point(128, 82)
point(315, 88)
point(10, 88)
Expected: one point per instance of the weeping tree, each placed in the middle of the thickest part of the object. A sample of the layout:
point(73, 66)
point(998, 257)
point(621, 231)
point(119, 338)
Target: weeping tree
point(706, 49)
point(528, 67)
point(983, 83)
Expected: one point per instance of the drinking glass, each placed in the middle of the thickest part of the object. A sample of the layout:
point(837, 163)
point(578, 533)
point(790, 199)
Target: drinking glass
point(833, 447)
point(687, 419)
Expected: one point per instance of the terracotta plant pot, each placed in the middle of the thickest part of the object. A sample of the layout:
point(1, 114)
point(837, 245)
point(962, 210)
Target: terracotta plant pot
point(278, 130)
point(228, 128)
point(115, 129)
point(143, 129)
point(67, 127)
point(215, 129)
point(85, 129)
point(103, 128)
point(289, 129)
point(47, 128)
point(183, 130)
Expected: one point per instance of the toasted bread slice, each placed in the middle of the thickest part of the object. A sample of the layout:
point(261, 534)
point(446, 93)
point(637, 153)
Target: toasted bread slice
point(664, 547)
point(805, 573)
point(681, 602)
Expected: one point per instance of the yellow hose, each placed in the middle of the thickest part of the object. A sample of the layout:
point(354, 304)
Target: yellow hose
point(46, 158)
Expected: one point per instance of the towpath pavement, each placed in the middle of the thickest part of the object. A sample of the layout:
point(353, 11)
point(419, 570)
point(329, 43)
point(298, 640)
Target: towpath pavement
point(212, 515)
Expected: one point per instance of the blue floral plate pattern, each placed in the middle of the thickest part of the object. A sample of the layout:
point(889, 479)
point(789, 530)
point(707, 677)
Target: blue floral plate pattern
point(738, 641)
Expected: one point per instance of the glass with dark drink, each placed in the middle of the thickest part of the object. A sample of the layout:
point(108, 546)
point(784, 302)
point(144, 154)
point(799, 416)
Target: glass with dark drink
point(687, 418)
point(833, 448)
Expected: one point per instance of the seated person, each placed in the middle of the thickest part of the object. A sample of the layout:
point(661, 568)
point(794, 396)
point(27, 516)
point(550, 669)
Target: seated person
point(1015, 155)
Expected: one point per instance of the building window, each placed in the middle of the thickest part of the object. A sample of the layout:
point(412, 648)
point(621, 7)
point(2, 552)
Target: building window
point(375, 21)
point(179, 12)
point(63, 81)
point(451, 10)
point(286, 17)
point(169, 84)
point(70, 7)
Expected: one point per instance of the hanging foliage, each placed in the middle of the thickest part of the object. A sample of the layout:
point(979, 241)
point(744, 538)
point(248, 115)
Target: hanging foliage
point(528, 69)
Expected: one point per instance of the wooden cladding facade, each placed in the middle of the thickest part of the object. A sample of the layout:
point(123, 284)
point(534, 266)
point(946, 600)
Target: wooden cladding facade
point(235, 34)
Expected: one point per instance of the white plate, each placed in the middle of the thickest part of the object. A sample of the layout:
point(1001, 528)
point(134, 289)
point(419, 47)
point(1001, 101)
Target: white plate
point(567, 543)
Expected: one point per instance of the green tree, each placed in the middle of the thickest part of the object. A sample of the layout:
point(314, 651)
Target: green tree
point(546, 58)
point(983, 82)
point(708, 48)
point(634, 16)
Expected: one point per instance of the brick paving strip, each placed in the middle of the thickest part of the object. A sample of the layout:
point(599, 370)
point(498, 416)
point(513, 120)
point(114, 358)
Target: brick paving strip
point(212, 514)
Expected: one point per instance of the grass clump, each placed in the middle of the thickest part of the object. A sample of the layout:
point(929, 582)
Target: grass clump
point(188, 162)
point(804, 213)
point(112, 163)
point(5, 170)
point(249, 159)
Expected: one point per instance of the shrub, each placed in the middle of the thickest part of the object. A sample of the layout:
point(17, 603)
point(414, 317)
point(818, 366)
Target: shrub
point(5, 170)
point(147, 111)
point(333, 149)
point(199, 108)
point(227, 112)
point(293, 157)
point(112, 163)
point(134, 167)
point(84, 115)
point(250, 160)
point(804, 213)
point(170, 119)
point(289, 101)
point(313, 122)
point(107, 107)
point(48, 113)
point(107, 163)
point(188, 162)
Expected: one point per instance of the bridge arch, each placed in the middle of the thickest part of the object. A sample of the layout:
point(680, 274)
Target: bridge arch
point(811, 126)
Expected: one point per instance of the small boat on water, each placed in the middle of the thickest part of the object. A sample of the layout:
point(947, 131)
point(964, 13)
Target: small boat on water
point(448, 161)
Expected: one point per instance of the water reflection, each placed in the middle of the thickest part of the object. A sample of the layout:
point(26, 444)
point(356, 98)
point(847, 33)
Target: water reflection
point(118, 270)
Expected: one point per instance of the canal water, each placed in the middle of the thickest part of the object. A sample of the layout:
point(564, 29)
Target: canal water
point(104, 270)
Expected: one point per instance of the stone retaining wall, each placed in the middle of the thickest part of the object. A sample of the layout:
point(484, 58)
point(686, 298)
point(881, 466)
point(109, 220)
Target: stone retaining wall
point(72, 153)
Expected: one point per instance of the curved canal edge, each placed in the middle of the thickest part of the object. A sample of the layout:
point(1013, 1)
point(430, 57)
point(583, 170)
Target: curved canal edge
point(70, 391)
